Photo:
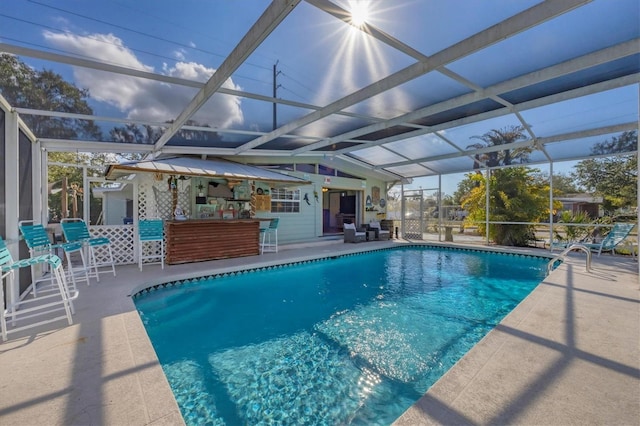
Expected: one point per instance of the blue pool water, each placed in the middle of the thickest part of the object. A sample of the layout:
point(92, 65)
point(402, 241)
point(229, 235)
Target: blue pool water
point(351, 340)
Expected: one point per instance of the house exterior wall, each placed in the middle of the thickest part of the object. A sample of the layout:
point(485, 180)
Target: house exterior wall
point(308, 223)
point(115, 207)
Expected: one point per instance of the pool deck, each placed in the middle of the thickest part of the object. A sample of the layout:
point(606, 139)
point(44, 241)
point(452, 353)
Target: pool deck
point(568, 354)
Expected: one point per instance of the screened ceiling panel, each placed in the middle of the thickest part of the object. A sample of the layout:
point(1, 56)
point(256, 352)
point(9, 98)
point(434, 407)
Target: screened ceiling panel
point(424, 91)
point(331, 126)
point(584, 113)
point(385, 133)
point(467, 110)
point(465, 136)
point(565, 37)
point(429, 27)
point(328, 56)
point(411, 170)
point(366, 82)
point(285, 144)
point(208, 139)
point(421, 147)
point(626, 66)
point(458, 164)
point(582, 147)
point(377, 156)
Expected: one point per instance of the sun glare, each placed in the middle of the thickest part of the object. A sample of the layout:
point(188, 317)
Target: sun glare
point(359, 12)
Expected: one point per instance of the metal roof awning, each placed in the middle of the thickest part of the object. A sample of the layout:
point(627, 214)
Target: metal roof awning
point(211, 168)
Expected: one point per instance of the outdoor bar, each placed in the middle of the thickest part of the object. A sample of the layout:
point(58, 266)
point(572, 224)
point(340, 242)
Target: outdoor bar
point(211, 208)
point(198, 240)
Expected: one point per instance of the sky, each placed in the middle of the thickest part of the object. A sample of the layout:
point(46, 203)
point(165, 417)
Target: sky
point(319, 59)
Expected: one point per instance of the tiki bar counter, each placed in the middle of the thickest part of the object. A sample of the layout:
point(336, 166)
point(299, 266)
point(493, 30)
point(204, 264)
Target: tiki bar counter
point(198, 240)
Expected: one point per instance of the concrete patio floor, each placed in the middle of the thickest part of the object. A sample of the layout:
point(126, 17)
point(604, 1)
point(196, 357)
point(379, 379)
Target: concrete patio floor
point(568, 354)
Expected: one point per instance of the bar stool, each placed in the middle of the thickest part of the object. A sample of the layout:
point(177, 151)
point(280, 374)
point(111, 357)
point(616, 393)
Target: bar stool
point(75, 230)
point(38, 242)
point(269, 237)
point(29, 308)
point(151, 231)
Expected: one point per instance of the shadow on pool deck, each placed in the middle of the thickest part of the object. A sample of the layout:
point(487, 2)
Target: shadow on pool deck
point(569, 353)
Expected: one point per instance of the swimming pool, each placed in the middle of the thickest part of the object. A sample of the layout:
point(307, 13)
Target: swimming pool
point(349, 340)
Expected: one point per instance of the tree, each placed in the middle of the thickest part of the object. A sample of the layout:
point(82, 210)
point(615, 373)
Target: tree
point(147, 135)
point(68, 181)
point(515, 196)
point(562, 184)
point(24, 87)
point(465, 186)
point(615, 177)
point(505, 157)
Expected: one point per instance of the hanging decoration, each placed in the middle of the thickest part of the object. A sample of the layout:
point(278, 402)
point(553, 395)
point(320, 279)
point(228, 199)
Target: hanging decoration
point(172, 183)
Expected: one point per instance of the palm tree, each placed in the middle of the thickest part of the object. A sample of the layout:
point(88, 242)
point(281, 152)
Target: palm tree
point(514, 197)
point(495, 137)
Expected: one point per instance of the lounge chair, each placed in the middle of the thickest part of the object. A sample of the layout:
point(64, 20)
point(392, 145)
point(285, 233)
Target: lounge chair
point(381, 234)
point(618, 233)
point(595, 236)
point(352, 235)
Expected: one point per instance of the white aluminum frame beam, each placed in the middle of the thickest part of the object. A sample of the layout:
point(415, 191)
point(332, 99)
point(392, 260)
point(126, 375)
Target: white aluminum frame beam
point(266, 23)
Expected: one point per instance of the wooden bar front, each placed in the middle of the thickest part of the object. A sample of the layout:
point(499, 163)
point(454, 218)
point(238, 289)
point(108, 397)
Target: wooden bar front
point(209, 239)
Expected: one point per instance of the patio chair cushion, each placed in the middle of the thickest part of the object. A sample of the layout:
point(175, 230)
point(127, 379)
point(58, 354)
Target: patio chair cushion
point(381, 234)
point(352, 235)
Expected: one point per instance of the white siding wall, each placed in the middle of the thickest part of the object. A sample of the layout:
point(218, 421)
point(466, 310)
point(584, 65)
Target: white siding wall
point(308, 223)
point(304, 225)
point(115, 208)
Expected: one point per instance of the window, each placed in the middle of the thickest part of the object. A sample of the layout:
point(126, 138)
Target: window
point(285, 200)
point(325, 170)
point(306, 168)
point(287, 167)
point(347, 175)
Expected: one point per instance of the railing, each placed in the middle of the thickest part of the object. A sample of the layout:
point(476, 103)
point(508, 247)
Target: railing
point(122, 241)
point(566, 251)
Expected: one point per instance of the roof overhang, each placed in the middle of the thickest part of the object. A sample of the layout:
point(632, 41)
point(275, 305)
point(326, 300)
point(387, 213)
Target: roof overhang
point(210, 168)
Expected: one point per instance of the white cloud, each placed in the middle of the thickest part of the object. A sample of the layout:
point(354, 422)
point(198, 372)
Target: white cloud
point(140, 98)
point(179, 54)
